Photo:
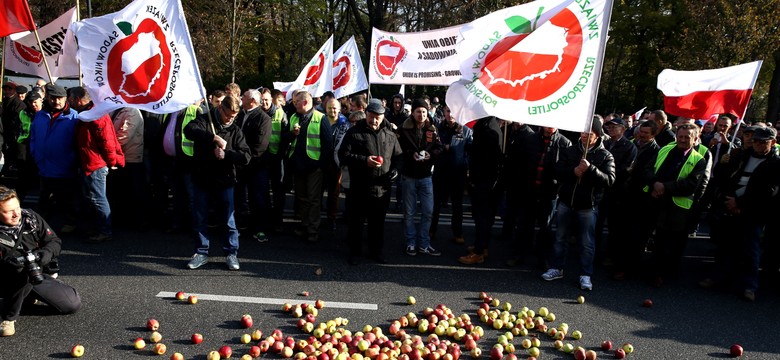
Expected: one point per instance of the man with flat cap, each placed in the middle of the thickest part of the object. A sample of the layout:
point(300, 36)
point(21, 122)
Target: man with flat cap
point(372, 153)
point(53, 147)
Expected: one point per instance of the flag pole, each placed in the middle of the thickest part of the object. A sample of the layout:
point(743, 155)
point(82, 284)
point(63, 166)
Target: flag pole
point(752, 86)
point(2, 68)
point(197, 71)
point(78, 18)
point(600, 68)
point(40, 47)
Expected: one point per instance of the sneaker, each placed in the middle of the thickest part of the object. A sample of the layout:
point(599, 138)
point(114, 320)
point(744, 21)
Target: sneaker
point(197, 261)
point(260, 237)
point(411, 251)
point(7, 328)
point(749, 295)
point(98, 238)
point(585, 283)
point(552, 274)
point(429, 251)
point(472, 259)
point(232, 262)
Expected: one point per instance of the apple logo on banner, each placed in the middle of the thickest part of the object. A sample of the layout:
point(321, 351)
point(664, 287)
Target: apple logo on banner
point(533, 64)
point(314, 72)
point(343, 70)
point(28, 53)
point(139, 64)
point(388, 54)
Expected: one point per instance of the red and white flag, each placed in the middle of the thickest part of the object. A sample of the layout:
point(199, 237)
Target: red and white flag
point(638, 114)
point(316, 75)
point(348, 74)
point(141, 57)
point(26, 57)
point(699, 94)
point(537, 63)
point(15, 17)
point(285, 87)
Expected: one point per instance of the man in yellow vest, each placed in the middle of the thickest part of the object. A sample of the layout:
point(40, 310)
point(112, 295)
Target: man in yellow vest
point(279, 124)
point(310, 150)
point(673, 178)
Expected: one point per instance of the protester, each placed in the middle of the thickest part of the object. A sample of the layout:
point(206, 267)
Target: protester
point(10, 125)
point(219, 147)
point(26, 238)
point(372, 153)
point(332, 176)
point(127, 187)
point(257, 128)
point(665, 135)
point(584, 171)
point(279, 125)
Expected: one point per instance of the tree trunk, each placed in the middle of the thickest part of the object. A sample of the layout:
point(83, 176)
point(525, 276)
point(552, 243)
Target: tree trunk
point(773, 107)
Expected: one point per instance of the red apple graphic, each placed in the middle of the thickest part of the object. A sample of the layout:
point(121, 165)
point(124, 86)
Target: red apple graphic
point(315, 71)
point(388, 54)
point(139, 65)
point(343, 72)
point(520, 74)
point(28, 53)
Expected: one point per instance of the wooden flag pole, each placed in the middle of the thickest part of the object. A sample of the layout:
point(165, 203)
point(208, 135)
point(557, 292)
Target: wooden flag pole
point(2, 68)
point(40, 48)
point(78, 18)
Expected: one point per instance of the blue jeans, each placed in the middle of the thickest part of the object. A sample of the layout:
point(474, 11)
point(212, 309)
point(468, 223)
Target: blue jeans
point(582, 223)
point(414, 190)
point(223, 210)
point(95, 194)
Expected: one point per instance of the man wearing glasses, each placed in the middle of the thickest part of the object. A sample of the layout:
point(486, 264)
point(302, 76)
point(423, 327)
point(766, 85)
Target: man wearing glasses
point(219, 148)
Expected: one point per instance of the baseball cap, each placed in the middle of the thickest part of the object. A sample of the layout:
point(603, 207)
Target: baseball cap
point(616, 121)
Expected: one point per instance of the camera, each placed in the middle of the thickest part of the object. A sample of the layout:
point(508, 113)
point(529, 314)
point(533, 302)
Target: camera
point(30, 262)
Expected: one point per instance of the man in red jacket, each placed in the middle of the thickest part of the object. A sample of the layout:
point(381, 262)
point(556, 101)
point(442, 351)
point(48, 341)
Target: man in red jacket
point(98, 150)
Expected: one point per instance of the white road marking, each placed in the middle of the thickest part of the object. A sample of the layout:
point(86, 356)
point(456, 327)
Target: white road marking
point(271, 301)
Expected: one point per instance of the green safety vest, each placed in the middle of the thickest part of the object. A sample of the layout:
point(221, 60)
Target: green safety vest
point(26, 121)
point(187, 145)
point(312, 135)
point(276, 131)
point(694, 157)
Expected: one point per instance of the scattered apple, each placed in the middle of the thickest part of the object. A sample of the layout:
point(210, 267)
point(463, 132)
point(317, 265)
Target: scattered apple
point(192, 299)
point(155, 337)
point(579, 354)
point(647, 303)
point(139, 343)
point(255, 351)
point(196, 338)
point(628, 348)
point(606, 345)
point(590, 355)
point(411, 300)
point(213, 355)
point(246, 321)
point(177, 356)
point(319, 304)
point(576, 334)
point(736, 350)
point(620, 354)
point(246, 357)
point(77, 351)
point(225, 352)
point(153, 325)
point(257, 335)
point(159, 349)
point(246, 339)
point(580, 299)
point(534, 352)
point(181, 296)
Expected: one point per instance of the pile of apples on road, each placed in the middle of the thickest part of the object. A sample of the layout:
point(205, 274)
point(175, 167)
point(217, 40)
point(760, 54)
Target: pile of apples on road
point(438, 334)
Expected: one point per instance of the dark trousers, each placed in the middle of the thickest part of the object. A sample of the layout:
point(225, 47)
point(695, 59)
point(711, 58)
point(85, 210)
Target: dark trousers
point(61, 297)
point(670, 239)
point(484, 202)
point(308, 197)
point(449, 185)
point(644, 212)
point(365, 208)
point(128, 195)
point(333, 185)
point(259, 193)
point(59, 194)
point(278, 190)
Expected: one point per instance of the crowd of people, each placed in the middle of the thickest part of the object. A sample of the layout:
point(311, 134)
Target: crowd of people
point(220, 169)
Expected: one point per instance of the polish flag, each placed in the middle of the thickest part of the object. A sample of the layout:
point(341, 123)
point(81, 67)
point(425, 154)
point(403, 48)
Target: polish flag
point(15, 17)
point(699, 94)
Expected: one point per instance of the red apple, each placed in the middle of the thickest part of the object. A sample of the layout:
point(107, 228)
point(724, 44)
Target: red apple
point(647, 303)
point(196, 338)
point(579, 354)
point(139, 343)
point(177, 356)
point(590, 355)
point(277, 335)
point(736, 350)
point(153, 325)
point(159, 349)
point(606, 345)
point(149, 82)
point(192, 299)
point(225, 352)
point(620, 354)
point(246, 321)
point(180, 296)
point(77, 351)
point(380, 159)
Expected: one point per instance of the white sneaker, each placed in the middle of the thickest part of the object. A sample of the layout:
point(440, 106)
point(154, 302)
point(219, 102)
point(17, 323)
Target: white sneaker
point(552, 274)
point(7, 328)
point(585, 283)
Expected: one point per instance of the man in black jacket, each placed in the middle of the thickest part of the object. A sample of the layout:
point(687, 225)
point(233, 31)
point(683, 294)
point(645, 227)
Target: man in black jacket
point(24, 232)
point(583, 171)
point(256, 127)
point(372, 154)
point(219, 148)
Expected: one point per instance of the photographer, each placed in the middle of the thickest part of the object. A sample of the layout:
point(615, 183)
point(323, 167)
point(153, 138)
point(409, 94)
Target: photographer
point(27, 247)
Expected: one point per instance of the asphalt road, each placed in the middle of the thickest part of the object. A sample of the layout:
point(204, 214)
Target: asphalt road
point(119, 282)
